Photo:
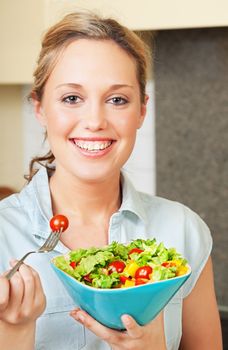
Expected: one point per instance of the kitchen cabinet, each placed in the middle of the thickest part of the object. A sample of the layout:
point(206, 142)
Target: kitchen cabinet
point(23, 22)
point(152, 14)
point(21, 27)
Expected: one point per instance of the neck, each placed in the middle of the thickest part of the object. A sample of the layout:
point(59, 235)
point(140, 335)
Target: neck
point(88, 202)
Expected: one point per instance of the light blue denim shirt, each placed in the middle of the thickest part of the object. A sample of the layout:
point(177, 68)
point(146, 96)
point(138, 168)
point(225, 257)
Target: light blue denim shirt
point(24, 225)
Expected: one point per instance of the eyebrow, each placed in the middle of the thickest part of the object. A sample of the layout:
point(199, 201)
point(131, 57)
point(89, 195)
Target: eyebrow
point(79, 86)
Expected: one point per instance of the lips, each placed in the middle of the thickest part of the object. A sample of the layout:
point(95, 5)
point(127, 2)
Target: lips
point(92, 145)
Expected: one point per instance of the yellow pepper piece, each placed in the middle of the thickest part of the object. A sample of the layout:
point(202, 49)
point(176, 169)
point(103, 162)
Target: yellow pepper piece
point(182, 270)
point(129, 283)
point(177, 262)
point(131, 269)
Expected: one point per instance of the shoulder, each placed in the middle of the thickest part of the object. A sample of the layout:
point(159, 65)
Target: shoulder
point(151, 202)
point(13, 213)
point(172, 212)
point(28, 209)
point(16, 213)
point(14, 223)
point(19, 215)
point(9, 204)
point(17, 201)
point(178, 218)
point(29, 200)
point(165, 211)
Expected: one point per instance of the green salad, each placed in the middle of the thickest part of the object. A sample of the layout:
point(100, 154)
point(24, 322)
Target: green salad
point(120, 265)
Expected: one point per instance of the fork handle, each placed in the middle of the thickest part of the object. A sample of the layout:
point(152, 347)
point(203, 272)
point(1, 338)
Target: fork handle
point(16, 267)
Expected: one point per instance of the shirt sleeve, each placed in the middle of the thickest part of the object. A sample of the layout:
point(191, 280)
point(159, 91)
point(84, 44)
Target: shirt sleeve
point(198, 246)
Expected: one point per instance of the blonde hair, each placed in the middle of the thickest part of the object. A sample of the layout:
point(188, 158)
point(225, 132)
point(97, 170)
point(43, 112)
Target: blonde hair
point(84, 25)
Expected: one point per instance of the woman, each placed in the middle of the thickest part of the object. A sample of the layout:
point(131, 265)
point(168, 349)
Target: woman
point(89, 94)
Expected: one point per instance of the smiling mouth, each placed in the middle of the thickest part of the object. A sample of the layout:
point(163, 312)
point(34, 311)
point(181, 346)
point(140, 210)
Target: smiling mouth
point(92, 146)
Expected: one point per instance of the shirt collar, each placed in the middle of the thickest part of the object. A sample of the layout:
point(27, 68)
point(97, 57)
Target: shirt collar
point(131, 198)
point(39, 186)
point(38, 199)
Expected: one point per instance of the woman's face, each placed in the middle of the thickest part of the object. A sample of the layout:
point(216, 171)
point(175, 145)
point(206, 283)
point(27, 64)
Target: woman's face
point(91, 109)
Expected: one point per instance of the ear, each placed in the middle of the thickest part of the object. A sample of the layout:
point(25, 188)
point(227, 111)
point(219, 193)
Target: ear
point(39, 112)
point(143, 111)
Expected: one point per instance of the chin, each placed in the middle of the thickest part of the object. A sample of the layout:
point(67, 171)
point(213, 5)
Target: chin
point(96, 175)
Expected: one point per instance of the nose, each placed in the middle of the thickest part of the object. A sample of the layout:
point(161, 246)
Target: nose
point(95, 118)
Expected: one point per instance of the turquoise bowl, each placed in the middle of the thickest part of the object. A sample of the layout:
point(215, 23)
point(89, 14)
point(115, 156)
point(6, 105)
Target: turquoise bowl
point(142, 302)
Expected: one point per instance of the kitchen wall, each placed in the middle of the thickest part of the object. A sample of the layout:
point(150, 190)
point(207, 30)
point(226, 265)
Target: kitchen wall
point(11, 138)
point(191, 94)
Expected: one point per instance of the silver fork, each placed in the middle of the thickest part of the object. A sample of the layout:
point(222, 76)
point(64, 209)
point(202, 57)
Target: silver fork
point(48, 246)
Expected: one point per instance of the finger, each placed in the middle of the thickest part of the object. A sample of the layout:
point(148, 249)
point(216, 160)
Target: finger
point(16, 291)
point(16, 288)
point(4, 293)
point(133, 329)
point(13, 262)
point(105, 333)
point(39, 298)
point(160, 317)
point(29, 288)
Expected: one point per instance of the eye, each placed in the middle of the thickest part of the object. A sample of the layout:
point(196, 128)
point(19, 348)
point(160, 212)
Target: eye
point(71, 99)
point(118, 101)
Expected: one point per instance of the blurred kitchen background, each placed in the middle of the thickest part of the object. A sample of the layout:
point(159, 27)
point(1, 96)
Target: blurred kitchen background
point(182, 150)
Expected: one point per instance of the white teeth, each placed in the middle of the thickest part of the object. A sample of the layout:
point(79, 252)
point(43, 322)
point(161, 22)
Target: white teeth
point(93, 145)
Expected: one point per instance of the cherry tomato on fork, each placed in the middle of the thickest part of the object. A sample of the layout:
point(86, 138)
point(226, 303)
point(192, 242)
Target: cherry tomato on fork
point(59, 223)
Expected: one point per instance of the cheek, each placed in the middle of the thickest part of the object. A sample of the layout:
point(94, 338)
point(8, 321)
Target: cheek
point(128, 125)
point(58, 122)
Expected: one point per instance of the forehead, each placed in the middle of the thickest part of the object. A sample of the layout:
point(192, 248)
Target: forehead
point(88, 59)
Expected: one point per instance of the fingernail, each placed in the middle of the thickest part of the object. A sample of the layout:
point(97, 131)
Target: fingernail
point(80, 317)
point(73, 312)
point(77, 315)
point(126, 319)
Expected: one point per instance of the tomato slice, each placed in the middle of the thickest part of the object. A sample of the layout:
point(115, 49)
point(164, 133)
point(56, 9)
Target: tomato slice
point(135, 250)
point(168, 264)
point(59, 223)
point(123, 278)
point(116, 266)
point(139, 281)
point(144, 272)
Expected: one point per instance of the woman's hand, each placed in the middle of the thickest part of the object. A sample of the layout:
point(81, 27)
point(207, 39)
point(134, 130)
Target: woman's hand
point(21, 302)
point(150, 336)
point(21, 299)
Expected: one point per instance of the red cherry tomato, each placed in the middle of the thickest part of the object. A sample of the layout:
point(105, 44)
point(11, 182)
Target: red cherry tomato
point(116, 266)
point(135, 250)
point(139, 281)
point(143, 272)
point(73, 264)
point(59, 223)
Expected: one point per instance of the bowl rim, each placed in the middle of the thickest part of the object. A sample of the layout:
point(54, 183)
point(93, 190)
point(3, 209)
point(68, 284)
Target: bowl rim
point(115, 290)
